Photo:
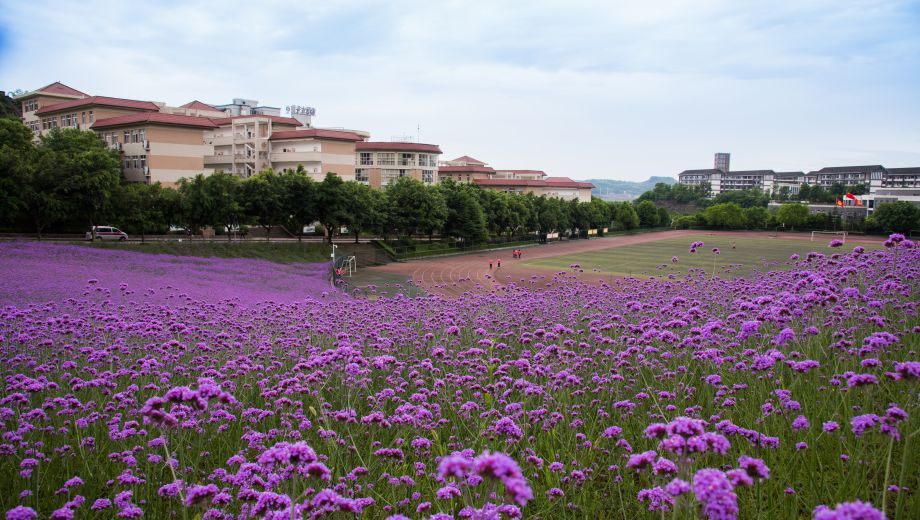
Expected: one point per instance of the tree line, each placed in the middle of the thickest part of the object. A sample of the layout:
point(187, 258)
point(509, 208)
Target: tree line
point(69, 179)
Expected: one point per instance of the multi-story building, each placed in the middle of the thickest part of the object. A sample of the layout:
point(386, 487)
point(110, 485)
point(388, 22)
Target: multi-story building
point(241, 143)
point(380, 163)
point(470, 170)
point(32, 102)
point(792, 181)
point(158, 147)
point(871, 176)
point(319, 151)
point(722, 161)
point(902, 178)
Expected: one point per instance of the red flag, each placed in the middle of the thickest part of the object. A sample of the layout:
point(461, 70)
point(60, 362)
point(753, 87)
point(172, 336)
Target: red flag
point(854, 198)
point(839, 202)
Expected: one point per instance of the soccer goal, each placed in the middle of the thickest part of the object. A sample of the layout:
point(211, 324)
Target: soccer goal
point(346, 266)
point(842, 234)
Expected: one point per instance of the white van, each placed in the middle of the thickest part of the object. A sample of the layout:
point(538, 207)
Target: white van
point(107, 233)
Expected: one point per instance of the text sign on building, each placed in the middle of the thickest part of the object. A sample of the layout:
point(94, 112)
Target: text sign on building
point(300, 110)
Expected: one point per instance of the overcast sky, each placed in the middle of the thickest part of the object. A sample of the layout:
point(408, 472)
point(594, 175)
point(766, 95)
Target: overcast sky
point(581, 89)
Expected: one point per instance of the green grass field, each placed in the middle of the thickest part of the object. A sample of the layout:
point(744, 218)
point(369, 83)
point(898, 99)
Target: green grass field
point(644, 259)
point(282, 252)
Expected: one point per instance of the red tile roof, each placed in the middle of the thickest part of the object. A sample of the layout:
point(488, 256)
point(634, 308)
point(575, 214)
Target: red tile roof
point(465, 169)
point(316, 133)
point(549, 182)
point(565, 182)
point(158, 118)
point(59, 88)
point(198, 105)
point(468, 160)
point(408, 147)
point(278, 120)
point(530, 172)
point(99, 101)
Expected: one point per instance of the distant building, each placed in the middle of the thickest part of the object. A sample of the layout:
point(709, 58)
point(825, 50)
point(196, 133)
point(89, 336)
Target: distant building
point(381, 163)
point(872, 177)
point(722, 161)
point(473, 171)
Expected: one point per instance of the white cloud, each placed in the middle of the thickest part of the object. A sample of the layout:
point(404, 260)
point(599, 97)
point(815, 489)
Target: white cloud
point(584, 89)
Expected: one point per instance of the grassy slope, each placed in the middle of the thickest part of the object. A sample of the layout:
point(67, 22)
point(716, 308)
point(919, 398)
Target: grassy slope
point(642, 259)
point(282, 252)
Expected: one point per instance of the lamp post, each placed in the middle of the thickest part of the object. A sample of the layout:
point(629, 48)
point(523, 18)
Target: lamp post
point(333, 264)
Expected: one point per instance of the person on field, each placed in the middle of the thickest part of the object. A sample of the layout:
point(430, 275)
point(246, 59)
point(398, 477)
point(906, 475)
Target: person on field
point(499, 263)
point(490, 265)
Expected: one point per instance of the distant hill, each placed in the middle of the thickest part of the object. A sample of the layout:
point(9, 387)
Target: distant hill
point(609, 189)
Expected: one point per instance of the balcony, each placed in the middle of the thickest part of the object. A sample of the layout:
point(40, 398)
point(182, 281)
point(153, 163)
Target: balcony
point(296, 157)
point(218, 159)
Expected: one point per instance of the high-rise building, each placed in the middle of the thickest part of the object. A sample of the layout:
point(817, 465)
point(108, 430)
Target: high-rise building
point(722, 161)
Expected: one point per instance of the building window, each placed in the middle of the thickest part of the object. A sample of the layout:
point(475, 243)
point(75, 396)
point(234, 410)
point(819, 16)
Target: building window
point(142, 134)
point(366, 159)
point(387, 177)
point(127, 137)
point(91, 117)
point(127, 162)
point(361, 175)
point(428, 176)
point(143, 161)
point(422, 159)
point(405, 159)
point(134, 138)
point(386, 159)
point(83, 117)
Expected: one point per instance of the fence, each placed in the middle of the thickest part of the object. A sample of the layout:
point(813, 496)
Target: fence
point(398, 251)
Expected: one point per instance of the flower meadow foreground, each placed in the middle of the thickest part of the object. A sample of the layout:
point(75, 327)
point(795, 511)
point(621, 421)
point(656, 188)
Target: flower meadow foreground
point(791, 394)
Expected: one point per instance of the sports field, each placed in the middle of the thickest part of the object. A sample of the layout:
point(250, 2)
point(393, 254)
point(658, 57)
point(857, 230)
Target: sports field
point(738, 255)
point(646, 254)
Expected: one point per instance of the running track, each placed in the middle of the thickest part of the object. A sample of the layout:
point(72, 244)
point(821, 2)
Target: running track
point(451, 276)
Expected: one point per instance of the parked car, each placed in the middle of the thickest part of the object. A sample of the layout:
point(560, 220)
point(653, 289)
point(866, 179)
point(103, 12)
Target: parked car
point(107, 233)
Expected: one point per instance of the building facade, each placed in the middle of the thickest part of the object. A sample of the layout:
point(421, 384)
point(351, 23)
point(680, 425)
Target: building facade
point(157, 147)
point(379, 164)
point(469, 170)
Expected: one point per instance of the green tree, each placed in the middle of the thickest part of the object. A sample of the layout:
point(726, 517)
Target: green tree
point(365, 207)
point(648, 213)
point(664, 218)
point(88, 173)
point(804, 192)
point(626, 216)
point(792, 215)
point(598, 213)
point(262, 199)
point(17, 155)
point(744, 198)
point(725, 215)
point(196, 206)
point(299, 199)
point(223, 190)
point(465, 217)
point(413, 206)
point(144, 208)
point(331, 206)
point(898, 217)
point(756, 217)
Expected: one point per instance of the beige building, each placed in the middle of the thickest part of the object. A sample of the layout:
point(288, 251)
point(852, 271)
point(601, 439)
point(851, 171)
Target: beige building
point(158, 147)
point(32, 102)
point(470, 170)
point(380, 163)
point(241, 144)
point(319, 151)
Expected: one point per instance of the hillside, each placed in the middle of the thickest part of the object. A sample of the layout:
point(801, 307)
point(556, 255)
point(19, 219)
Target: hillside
point(8, 107)
point(610, 189)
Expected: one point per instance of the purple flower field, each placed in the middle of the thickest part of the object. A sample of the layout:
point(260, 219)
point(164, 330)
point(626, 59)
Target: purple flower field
point(234, 389)
point(38, 272)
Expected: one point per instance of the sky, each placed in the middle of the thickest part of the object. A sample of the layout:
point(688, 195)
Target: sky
point(605, 90)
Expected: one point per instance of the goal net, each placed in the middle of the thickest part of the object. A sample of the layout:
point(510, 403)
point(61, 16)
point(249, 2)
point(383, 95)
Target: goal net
point(823, 234)
point(345, 266)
